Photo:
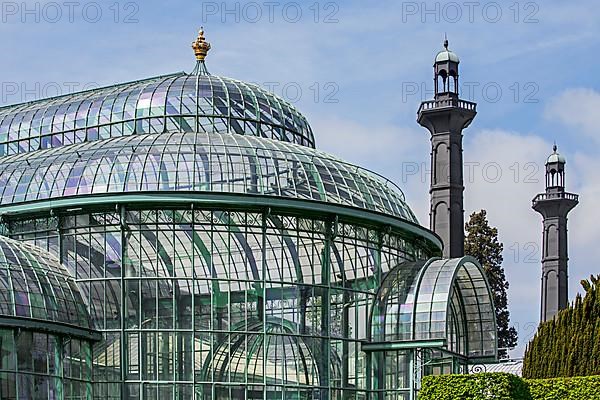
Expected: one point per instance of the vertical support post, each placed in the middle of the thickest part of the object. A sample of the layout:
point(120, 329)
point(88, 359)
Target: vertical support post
point(261, 299)
point(345, 336)
point(381, 356)
point(369, 372)
point(123, 342)
point(412, 371)
point(86, 348)
point(325, 309)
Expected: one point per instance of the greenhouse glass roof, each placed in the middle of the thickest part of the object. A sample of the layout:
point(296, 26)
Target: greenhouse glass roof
point(34, 285)
point(171, 103)
point(431, 300)
point(197, 162)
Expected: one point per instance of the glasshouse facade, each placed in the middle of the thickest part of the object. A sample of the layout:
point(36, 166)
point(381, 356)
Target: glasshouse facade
point(181, 237)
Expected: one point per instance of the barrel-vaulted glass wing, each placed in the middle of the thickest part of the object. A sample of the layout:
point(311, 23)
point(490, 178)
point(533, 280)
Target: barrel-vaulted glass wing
point(171, 103)
point(35, 286)
point(197, 162)
point(447, 300)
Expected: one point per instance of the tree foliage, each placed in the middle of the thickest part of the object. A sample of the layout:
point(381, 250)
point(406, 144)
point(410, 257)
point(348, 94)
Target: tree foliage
point(481, 242)
point(569, 344)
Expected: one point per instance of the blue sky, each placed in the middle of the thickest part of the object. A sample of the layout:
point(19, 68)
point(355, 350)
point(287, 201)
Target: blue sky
point(358, 71)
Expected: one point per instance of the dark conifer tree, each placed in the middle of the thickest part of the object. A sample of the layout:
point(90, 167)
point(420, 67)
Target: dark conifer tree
point(481, 242)
point(568, 344)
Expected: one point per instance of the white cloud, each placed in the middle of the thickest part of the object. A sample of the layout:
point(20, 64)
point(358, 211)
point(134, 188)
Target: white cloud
point(584, 231)
point(578, 109)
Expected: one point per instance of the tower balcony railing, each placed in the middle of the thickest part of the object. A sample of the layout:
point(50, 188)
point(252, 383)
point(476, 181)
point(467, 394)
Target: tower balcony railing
point(556, 196)
point(443, 103)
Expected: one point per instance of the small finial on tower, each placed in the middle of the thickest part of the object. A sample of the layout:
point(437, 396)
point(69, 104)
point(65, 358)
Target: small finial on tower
point(446, 41)
point(201, 46)
point(555, 147)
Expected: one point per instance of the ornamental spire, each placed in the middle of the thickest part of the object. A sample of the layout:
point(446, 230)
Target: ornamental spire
point(201, 46)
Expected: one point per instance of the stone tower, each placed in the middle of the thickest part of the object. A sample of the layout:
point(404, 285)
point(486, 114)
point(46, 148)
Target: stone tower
point(445, 117)
point(554, 205)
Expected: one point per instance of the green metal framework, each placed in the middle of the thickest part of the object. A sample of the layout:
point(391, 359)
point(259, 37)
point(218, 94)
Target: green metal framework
point(177, 292)
point(437, 300)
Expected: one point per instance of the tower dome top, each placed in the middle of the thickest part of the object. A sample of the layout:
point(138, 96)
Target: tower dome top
point(446, 55)
point(555, 157)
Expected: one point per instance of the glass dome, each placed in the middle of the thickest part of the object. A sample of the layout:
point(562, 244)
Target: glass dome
point(197, 162)
point(289, 359)
point(35, 286)
point(172, 103)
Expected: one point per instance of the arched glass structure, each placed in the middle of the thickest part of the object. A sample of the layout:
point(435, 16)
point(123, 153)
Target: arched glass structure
point(45, 329)
point(446, 300)
point(34, 285)
point(202, 248)
point(284, 358)
point(439, 310)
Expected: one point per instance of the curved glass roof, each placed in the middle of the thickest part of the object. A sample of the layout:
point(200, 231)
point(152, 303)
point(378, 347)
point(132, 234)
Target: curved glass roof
point(197, 162)
point(289, 358)
point(34, 285)
point(445, 299)
point(178, 102)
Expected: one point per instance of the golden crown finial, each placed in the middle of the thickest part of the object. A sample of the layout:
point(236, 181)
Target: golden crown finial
point(201, 46)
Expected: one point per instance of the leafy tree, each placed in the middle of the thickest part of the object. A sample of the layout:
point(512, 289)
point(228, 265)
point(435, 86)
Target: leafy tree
point(481, 242)
point(568, 344)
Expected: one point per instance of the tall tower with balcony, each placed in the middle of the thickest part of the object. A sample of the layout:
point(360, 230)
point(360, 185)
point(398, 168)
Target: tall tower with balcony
point(445, 117)
point(554, 205)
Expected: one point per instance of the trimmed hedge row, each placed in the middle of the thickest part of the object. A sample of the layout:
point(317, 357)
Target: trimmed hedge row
point(587, 387)
point(502, 386)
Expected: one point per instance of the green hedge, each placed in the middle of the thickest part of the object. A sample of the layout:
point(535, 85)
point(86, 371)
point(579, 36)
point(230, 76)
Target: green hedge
point(587, 387)
point(501, 386)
